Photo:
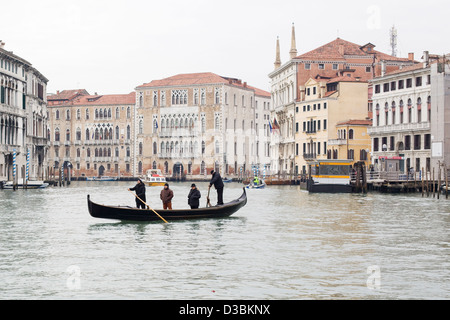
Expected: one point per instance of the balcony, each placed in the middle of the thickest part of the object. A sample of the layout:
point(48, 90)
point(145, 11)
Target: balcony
point(67, 143)
point(395, 128)
point(309, 156)
point(56, 143)
point(337, 142)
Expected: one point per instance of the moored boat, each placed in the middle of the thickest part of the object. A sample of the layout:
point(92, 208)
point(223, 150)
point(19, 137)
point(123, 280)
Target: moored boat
point(154, 178)
point(330, 176)
point(102, 178)
point(28, 185)
point(134, 214)
point(260, 185)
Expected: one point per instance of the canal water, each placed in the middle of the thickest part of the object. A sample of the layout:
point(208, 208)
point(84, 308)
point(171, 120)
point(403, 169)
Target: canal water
point(284, 244)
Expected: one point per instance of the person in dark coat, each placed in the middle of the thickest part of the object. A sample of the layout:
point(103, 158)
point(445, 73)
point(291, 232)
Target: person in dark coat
point(166, 197)
point(194, 197)
point(140, 192)
point(216, 180)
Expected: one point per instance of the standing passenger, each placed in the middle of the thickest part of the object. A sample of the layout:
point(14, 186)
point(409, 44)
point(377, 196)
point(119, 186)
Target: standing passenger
point(166, 197)
point(194, 197)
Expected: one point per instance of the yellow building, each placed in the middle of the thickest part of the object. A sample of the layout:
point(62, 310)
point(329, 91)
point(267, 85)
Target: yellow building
point(324, 104)
point(352, 143)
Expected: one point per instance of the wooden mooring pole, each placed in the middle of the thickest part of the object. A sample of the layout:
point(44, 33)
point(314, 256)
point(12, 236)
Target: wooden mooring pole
point(439, 180)
point(423, 184)
point(446, 181)
point(433, 184)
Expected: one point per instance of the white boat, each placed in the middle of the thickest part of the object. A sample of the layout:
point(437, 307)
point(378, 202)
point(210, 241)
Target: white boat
point(29, 185)
point(154, 177)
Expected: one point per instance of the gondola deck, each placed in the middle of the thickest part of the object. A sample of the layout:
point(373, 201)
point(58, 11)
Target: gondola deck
point(134, 214)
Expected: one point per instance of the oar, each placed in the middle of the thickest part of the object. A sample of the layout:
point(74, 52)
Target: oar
point(149, 207)
point(208, 203)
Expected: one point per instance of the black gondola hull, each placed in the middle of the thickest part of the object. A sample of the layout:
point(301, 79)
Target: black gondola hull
point(134, 214)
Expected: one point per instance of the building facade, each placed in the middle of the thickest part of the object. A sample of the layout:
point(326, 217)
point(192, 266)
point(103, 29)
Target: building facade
point(23, 119)
point(319, 117)
point(401, 132)
point(189, 124)
point(292, 86)
point(93, 135)
point(440, 112)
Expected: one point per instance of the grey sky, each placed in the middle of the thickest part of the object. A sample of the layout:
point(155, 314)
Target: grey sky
point(113, 46)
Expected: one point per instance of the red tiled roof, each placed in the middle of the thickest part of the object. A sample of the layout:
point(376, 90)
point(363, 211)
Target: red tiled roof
point(337, 49)
point(355, 123)
point(186, 79)
point(416, 66)
point(67, 94)
point(109, 99)
point(200, 79)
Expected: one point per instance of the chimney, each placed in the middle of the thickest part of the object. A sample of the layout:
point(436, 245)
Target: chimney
point(2, 44)
point(341, 49)
point(57, 91)
point(383, 68)
point(426, 59)
point(411, 56)
point(245, 84)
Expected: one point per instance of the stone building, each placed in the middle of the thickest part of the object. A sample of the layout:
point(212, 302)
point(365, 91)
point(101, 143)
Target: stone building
point(401, 131)
point(188, 124)
point(291, 81)
point(93, 135)
point(23, 118)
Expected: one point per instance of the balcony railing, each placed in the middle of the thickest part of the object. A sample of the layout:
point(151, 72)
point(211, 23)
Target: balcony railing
point(309, 156)
point(421, 126)
point(337, 142)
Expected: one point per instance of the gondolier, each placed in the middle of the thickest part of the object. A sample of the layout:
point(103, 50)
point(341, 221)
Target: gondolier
point(140, 192)
point(216, 180)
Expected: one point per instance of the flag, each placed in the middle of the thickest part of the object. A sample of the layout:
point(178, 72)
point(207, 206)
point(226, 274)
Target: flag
point(270, 126)
point(275, 124)
point(156, 124)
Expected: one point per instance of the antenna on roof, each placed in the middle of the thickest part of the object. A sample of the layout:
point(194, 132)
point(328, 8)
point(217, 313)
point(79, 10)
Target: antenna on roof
point(393, 37)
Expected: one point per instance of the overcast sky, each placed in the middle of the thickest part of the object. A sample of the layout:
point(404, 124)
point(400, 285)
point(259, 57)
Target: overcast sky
point(111, 46)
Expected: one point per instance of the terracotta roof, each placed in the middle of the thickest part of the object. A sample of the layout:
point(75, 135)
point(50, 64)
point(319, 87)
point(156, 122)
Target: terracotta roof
point(414, 67)
point(355, 123)
point(346, 79)
point(201, 79)
point(186, 79)
point(109, 99)
point(337, 49)
point(67, 94)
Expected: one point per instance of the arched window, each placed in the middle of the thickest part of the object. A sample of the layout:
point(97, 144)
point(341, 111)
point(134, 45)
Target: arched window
point(203, 147)
point(140, 148)
point(350, 134)
point(140, 167)
point(96, 114)
point(154, 165)
point(78, 152)
point(67, 114)
point(141, 126)
point(78, 134)
point(57, 134)
point(78, 114)
point(109, 113)
point(203, 168)
point(128, 132)
point(116, 152)
point(96, 135)
point(87, 135)
point(117, 132)
point(100, 114)
point(88, 152)
point(128, 152)
point(67, 135)
point(87, 114)
point(117, 113)
point(128, 113)
point(217, 147)
point(217, 97)
point(155, 148)
point(203, 125)
point(203, 98)
point(217, 123)
point(155, 126)
point(109, 152)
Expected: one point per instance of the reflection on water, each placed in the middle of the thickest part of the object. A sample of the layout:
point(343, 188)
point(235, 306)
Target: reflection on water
point(284, 244)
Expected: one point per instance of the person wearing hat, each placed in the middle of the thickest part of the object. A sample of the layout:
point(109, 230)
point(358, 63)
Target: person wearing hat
point(194, 197)
point(216, 180)
point(140, 192)
point(166, 197)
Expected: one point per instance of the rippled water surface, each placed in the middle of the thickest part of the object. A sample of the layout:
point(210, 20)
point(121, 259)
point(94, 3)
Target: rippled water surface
point(284, 244)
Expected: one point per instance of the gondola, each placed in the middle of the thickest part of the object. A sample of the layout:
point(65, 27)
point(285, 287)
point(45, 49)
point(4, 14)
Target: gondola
point(133, 214)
